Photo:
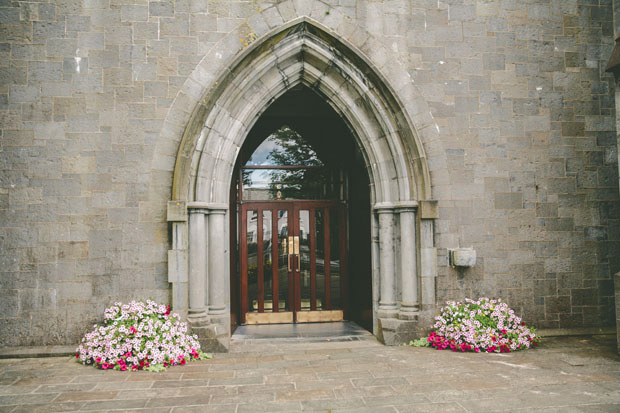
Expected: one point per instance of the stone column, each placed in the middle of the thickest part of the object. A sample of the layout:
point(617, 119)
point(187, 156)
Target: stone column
point(217, 259)
point(387, 301)
point(409, 264)
point(197, 262)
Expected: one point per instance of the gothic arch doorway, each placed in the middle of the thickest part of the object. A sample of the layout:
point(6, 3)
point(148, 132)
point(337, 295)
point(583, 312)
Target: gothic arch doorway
point(300, 218)
point(302, 53)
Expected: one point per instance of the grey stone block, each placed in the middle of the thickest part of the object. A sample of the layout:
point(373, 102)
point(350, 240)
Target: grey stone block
point(37, 299)
point(177, 26)
point(102, 240)
point(156, 89)
point(118, 34)
point(57, 187)
point(466, 104)
point(45, 71)
point(573, 129)
point(135, 13)
point(144, 71)
point(559, 224)
point(28, 51)
point(62, 47)
point(161, 8)
point(9, 15)
point(132, 53)
point(77, 23)
point(595, 233)
point(90, 41)
point(10, 304)
point(19, 94)
point(49, 29)
point(510, 200)
point(203, 22)
point(526, 106)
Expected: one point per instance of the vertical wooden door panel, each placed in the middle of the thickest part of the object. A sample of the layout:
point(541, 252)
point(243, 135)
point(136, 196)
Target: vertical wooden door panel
point(326, 231)
point(275, 255)
point(312, 260)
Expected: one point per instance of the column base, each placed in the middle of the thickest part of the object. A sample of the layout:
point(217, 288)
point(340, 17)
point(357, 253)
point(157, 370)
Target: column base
point(197, 317)
point(213, 332)
point(408, 311)
point(408, 315)
point(387, 312)
point(217, 310)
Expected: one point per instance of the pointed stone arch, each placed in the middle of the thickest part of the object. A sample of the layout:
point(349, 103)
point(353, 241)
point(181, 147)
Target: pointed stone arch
point(299, 52)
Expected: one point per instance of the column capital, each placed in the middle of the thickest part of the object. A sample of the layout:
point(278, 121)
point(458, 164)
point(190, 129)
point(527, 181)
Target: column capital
point(384, 207)
point(211, 206)
point(221, 211)
point(404, 208)
point(197, 211)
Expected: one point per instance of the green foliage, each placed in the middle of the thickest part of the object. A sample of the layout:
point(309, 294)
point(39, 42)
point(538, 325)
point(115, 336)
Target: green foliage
point(204, 356)
point(421, 342)
point(156, 368)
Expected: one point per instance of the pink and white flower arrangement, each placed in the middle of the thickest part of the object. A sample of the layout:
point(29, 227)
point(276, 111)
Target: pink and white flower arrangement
point(482, 325)
point(139, 336)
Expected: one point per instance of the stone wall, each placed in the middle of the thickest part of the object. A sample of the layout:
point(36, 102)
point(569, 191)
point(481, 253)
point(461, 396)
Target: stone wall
point(533, 172)
point(526, 170)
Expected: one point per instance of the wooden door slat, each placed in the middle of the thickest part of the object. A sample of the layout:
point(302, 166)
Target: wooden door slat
point(259, 261)
point(312, 224)
point(344, 271)
point(327, 261)
point(275, 258)
point(243, 256)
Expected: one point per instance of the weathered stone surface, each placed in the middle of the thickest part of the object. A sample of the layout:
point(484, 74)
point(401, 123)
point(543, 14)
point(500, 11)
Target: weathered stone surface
point(353, 375)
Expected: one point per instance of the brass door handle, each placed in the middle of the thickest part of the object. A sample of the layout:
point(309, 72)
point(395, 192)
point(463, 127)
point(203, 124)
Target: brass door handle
point(293, 249)
point(296, 244)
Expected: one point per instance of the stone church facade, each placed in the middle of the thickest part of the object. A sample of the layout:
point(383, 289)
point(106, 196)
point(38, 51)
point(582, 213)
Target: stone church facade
point(487, 129)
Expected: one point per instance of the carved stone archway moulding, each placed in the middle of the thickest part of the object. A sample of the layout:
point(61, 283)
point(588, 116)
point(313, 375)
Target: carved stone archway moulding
point(301, 52)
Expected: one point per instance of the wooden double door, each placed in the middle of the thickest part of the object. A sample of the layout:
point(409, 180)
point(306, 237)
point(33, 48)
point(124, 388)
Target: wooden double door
point(293, 261)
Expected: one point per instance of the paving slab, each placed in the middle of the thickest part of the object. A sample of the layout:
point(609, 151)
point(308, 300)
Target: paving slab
point(568, 374)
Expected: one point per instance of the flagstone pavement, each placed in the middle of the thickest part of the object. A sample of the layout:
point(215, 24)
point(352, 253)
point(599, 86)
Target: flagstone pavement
point(569, 374)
